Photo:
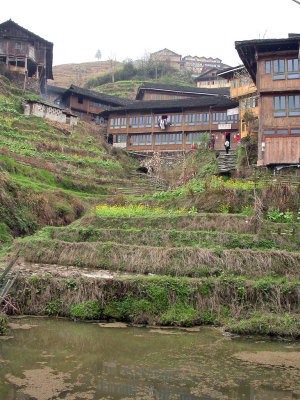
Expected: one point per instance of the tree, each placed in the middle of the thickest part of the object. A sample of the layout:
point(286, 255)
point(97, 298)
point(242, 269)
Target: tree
point(98, 55)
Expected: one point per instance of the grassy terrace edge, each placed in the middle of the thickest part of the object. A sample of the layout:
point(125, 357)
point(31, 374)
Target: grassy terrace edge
point(266, 306)
point(180, 261)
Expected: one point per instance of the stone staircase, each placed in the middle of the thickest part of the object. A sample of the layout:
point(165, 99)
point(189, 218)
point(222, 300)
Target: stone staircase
point(227, 162)
point(142, 184)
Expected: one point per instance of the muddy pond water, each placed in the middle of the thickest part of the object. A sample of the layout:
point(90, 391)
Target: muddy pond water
point(58, 359)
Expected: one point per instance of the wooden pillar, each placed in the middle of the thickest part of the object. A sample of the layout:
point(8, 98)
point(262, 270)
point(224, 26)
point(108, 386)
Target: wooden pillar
point(25, 75)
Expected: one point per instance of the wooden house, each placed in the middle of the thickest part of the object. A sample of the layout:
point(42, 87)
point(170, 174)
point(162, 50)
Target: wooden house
point(87, 104)
point(25, 52)
point(209, 78)
point(167, 55)
point(243, 89)
point(273, 65)
point(173, 125)
point(158, 91)
point(196, 64)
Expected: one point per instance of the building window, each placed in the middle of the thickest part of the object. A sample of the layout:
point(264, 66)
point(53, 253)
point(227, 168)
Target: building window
point(171, 119)
point(188, 138)
point(189, 119)
point(294, 106)
point(231, 119)
point(157, 139)
point(156, 119)
point(111, 123)
point(148, 121)
point(148, 139)
point(267, 67)
point(215, 118)
point(222, 117)
point(198, 119)
point(117, 123)
point(279, 106)
point(134, 140)
point(133, 122)
point(295, 131)
point(142, 122)
point(142, 140)
point(80, 99)
point(172, 138)
point(293, 68)
point(123, 123)
point(282, 131)
point(18, 45)
point(178, 138)
point(269, 132)
point(164, 138)
point(234, 84)
point(278, 69)
point(178, 120)
point(120, 139)
point(205, 118)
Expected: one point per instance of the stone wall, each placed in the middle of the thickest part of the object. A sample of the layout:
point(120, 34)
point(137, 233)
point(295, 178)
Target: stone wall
point(48, 112)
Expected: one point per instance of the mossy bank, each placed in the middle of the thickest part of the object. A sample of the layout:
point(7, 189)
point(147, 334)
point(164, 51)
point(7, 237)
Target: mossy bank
point(252, 306)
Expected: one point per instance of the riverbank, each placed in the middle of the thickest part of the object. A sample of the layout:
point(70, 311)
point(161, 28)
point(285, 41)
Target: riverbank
point(268, 306)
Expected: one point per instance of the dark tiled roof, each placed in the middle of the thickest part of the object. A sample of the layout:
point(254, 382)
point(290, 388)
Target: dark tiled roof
point(105, 98)
point(55, 89)
point(15, 25)
point(205, 103)
point(247, 49)
point(229, 72)
point(178, 89)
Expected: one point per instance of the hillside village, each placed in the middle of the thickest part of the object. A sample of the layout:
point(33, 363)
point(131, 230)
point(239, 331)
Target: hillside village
point(144, 189)
point(161, 205)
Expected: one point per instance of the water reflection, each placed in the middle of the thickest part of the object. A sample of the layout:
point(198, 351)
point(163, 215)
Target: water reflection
point(59, 359)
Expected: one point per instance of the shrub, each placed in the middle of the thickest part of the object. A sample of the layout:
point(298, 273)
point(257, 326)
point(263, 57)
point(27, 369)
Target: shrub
point(180, 314)
point(277, 216)
point(87, 310)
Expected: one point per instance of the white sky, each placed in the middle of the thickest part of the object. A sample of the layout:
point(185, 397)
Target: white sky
point(130, 28)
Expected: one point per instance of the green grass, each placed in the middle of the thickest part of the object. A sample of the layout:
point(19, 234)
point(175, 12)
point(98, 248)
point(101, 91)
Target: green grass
point(134, 211)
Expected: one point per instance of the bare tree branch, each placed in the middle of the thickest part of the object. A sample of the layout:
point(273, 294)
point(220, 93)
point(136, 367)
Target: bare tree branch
point(296, 1)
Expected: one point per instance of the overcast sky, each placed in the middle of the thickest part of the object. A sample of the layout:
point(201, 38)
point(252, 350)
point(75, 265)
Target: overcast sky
point(130, 28)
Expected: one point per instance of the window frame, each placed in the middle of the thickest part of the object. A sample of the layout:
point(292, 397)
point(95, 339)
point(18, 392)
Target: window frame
point(268, 67)
point(294, 73)
point(293, 111)
point(279, 111)
point(278, 74)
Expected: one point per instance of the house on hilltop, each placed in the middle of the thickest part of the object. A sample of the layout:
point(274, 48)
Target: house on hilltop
point(26, 52)
point(167, 55)
point(273, 65)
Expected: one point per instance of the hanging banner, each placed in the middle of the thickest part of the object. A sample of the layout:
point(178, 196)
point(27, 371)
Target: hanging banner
point(224, 126)
point(233, 111)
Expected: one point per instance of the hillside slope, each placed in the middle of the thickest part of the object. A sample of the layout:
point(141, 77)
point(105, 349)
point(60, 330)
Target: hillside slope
point(78, 74)
point(49, 172)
